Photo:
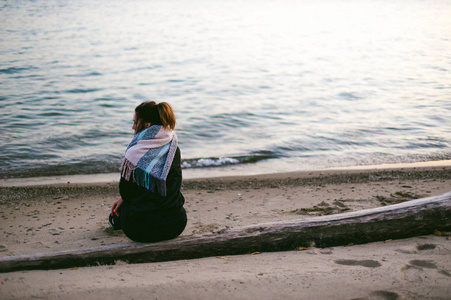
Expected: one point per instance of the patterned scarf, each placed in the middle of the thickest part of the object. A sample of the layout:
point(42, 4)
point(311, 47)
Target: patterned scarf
point(149, 157)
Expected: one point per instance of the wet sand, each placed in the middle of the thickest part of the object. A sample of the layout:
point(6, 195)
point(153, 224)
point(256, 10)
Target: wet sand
point(55, 217)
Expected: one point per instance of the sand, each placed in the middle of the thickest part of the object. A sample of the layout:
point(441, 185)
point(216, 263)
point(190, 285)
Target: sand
point(55, 217)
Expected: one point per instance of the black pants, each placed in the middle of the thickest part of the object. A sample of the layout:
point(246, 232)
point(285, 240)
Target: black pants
point(148, 228)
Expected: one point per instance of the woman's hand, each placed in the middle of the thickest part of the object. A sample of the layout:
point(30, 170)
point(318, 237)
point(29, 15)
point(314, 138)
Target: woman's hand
point(116, 205)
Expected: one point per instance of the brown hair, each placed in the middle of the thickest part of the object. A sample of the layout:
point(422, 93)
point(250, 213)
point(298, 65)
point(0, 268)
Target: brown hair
point(156, 114)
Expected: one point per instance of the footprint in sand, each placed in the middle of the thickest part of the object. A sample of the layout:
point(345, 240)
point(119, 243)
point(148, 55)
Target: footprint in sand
point(110, 232)
point(326, 251)
point(414, 271)
point(444, 272)
point(384, 295)
point(426, 247)
point(423, 264)
point(364, 263)
point(4, 251)
point(423, 247)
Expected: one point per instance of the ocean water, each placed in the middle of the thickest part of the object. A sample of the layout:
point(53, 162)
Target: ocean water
point(256, 84)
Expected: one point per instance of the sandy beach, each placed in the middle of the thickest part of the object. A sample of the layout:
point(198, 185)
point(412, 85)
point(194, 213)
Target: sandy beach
point(56, 217)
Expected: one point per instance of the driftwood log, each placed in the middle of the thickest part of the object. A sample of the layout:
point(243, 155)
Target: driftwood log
point(412, 218)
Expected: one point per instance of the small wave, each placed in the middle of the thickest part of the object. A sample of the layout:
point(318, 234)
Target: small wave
point(52, 114)
point(82, 91)
point(224, 161)
point(349, 95)
point(210, 162)
point(15, 70)
point(84, 75)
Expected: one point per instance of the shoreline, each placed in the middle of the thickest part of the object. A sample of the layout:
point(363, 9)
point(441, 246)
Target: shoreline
point(199, 174)
point(45, 218)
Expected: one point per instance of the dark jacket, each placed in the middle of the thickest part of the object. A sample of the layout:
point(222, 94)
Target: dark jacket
point(142, 200)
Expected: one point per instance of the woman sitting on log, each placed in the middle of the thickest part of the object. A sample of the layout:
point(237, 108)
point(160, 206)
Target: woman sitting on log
point(150, 208)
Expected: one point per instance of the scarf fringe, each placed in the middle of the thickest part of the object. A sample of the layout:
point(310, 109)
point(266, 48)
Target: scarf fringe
point(127, 169)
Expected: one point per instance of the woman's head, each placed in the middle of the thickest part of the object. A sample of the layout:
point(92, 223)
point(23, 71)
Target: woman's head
point(150, 113)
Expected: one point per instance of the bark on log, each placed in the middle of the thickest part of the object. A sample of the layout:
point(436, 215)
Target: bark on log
point(412, 218)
